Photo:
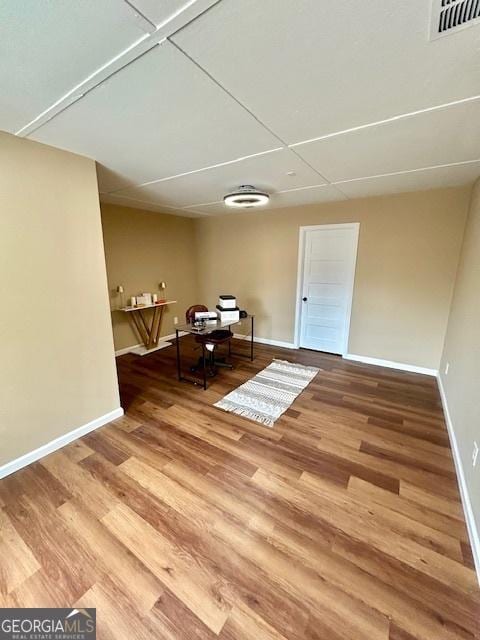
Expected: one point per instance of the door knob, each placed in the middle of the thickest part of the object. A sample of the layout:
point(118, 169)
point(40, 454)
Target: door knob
point(304, 299)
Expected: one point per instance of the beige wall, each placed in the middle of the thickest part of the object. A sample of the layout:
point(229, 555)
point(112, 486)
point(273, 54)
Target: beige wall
point(407, 258)
point(58, 369)
point(143, 248)
point(462, 351)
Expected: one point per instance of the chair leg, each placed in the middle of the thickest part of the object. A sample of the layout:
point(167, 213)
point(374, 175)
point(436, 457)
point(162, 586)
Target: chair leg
point(209, 364)
point(212, 362)
point(224, 365)
point(221, 362)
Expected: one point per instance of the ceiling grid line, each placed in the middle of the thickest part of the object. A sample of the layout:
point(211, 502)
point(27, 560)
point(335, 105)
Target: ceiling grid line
point(165, 112)
point(241, 104)
point(194, 171)
point(31, 128)
point(129, 55)
point(140, 13)
point(396, 118)
point(407, 171)
point(219, 84)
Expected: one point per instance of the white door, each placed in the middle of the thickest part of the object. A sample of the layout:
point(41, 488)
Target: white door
point(329, 258)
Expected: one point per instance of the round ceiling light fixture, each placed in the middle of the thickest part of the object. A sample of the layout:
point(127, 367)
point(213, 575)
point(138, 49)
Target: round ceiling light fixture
point(246, 196)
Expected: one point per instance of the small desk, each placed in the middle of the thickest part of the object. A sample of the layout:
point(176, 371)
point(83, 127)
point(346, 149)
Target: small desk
point(188, 328)
point(149, 332)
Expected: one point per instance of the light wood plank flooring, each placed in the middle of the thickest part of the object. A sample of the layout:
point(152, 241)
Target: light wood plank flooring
point(182, 522)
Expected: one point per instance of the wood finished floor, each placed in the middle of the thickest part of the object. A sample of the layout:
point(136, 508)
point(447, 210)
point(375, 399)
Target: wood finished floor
point(181, 522)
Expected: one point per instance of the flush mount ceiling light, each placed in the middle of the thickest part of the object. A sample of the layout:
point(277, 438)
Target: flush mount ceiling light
point(246, 196)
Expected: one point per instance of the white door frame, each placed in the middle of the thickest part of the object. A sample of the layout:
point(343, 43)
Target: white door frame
point(300, 268)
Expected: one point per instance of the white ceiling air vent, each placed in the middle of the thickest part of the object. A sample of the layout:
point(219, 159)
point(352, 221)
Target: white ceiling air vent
point(449, 16)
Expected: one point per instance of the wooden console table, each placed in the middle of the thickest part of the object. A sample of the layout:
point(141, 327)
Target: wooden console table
point(148, 330)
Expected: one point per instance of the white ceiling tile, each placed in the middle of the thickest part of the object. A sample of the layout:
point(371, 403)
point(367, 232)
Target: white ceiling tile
point(157, 117)
point(308, 68)
point(47, 48)
point(309, 195)
point(157, 12)
point(430, 138)
point(296, 197)
point(432, 178)
point(268, 172)
point(111, 198)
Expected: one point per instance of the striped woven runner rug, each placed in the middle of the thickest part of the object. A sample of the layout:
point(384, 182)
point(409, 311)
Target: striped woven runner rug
point(268, 395)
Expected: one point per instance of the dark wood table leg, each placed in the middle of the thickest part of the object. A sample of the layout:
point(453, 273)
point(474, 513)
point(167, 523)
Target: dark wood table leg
point(204, 367)
point(251, 343)
point(179, 368)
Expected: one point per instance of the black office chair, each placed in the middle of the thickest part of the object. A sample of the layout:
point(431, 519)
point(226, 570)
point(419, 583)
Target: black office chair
point(210, 342)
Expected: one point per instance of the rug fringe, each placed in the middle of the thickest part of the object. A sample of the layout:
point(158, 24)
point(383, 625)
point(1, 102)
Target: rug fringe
point(297, 367)
point(246, 413)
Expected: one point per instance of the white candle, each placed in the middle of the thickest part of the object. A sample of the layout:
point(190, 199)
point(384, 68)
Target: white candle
point(133, 301)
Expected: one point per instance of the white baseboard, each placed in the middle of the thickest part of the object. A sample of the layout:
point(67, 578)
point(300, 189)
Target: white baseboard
point(143, 351)
point(275, 343)
point(473, 532)
point(58, 443)
point(136, 347)
point(391, 365)
point(122, 352)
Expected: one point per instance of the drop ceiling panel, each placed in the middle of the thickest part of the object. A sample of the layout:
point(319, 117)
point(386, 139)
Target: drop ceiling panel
point(310, 195)
point(157, 117)
point(431, 138)
point(157, 12)
point(268, 172)
point(414, 181)
point(112, 198)
point(47, 48)
point(308, 68)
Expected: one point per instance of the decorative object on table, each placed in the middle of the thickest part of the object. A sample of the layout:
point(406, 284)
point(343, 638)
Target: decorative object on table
point(163, 291)
point(146, 321)
point(154, 298)
point(120, 292)
point(227, 309)
point(268, 395)
point(133, 301)
point(143, 300)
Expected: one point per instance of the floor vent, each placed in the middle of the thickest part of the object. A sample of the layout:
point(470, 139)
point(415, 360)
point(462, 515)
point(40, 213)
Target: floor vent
point(452, 15)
